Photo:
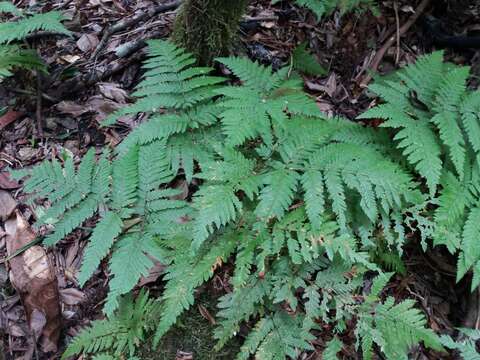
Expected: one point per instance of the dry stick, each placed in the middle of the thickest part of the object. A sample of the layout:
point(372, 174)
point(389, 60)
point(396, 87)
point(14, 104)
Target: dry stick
point(39, 106)
point(125, 24)
point(81, 82)
point(380, 54)
point(397, 22)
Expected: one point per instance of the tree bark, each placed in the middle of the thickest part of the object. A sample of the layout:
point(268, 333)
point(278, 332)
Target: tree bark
point(207, 28)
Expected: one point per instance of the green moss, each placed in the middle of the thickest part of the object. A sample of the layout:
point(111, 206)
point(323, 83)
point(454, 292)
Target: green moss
point(207, 28)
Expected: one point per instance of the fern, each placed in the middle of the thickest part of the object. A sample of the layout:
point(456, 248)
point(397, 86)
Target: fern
point(465, 345)
point(129, 206)
point(323, 8)
point(9, 8)
point(305, 62)
point(120, 334)
point(12, 56)
point(16, 56)
point(296, 199)
point(393, 327)
point(18, 30)
point(436, 122)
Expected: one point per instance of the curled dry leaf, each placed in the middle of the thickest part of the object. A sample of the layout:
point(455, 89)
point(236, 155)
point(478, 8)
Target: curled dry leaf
point(34, 278)
point(72, 296)
point(9, 118)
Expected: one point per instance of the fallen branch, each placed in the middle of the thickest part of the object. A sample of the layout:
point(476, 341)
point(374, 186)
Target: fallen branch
point(391, 40)
point(125, 24)
point(81, 82)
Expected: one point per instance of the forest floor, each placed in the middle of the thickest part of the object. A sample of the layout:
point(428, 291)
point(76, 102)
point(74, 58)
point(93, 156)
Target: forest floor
point(90, 78)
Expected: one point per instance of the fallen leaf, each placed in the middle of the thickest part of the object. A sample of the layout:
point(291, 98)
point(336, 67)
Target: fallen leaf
point(87, 42)
point(34, 278)
point(153, 274)
point(6, 183)
point(182, 355)
point(102, 106)
point(72, 108)
point(27, 153)
point(7, 205)
point(70, 58)
point(72, 296)
point(9, 118)
point(113, 92)
point(206, 314)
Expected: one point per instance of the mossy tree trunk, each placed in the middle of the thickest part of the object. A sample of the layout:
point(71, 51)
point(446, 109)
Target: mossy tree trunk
point(207, 28)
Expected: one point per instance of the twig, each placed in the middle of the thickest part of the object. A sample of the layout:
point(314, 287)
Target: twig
point(381, 53)
point(125, 24)
point(397, 21)
point(39, 106)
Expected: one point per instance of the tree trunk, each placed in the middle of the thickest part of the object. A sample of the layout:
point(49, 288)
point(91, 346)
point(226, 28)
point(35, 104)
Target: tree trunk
point(207, 28)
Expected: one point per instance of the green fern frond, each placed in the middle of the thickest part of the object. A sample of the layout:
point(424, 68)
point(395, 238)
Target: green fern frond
point(130, 261)
point(322, 8)
point(12, 31)
point(171, 82)
point(9, 8)
point(185, 275)
point(100, 242)
point(277, 195)
point(333, 348)
point(395, 328)
point(465, 345)
point(12, 56)
point(305, 62)
point(120, 334)
point(237, 307)
point(217, 205)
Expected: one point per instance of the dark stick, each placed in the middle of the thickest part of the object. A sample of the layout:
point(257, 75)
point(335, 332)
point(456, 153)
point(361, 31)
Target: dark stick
point(125, 24)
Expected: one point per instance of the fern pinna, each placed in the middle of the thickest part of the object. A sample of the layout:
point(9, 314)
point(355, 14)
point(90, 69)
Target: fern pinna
point(13, 55)
point(436, 125)
point(293, 199)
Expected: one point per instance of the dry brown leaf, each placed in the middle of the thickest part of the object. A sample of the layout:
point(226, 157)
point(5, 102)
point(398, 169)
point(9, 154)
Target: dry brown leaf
point(9, 118)
point(7, 205)
point(72, 296)
point(7, 183)
point(113, 91)
point(72, 108)
point(206, 314)
point(87, 42)
point(34, 278)
point(153, 274)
